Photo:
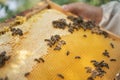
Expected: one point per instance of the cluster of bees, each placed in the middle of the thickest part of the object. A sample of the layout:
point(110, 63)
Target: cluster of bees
point(18, 21)
point(16, 31)
point(99, 66)
point(78, 23)
point(55, 39)
point(106, 54)
point(98, 71)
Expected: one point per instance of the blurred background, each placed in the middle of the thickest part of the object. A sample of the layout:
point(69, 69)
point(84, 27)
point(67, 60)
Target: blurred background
point(9, 8)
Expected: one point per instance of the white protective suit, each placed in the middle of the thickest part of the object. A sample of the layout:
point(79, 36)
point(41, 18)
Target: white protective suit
point(111, 17)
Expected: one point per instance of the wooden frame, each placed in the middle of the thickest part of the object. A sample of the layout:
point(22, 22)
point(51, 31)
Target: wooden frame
point(29, 13)
point(39, 7)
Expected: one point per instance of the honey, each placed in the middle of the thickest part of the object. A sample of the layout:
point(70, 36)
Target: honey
point(88, 48)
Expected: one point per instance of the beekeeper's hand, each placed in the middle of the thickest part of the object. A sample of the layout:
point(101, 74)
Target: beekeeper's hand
point(85, 11)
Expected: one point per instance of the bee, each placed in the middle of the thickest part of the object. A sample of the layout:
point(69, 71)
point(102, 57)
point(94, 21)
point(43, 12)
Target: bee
point(96, 63)
point(89, 69)
point(27, 74)
point(112, 45)
point(63, 42)
point(19, 32)
point(105, 65)
point(113, 60)
point(61, 76)
point(106, 53)
point(68, 53)
point(90, 78)
point(71, 30)
point(93, 61)
point(77, 57)
point(105, 34)
point(94, 73)
point(50, 44)
point(57, 48)
point(84, 35)
point(48, 40)
point(2, 32)
point(57, 37)
point(100, 71)
point(96, 30)
point(41, 59)
point(72, 18)
point(37, 60)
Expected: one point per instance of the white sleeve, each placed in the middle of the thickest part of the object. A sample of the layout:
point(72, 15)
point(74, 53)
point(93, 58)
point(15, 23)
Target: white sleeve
point(111, 17)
